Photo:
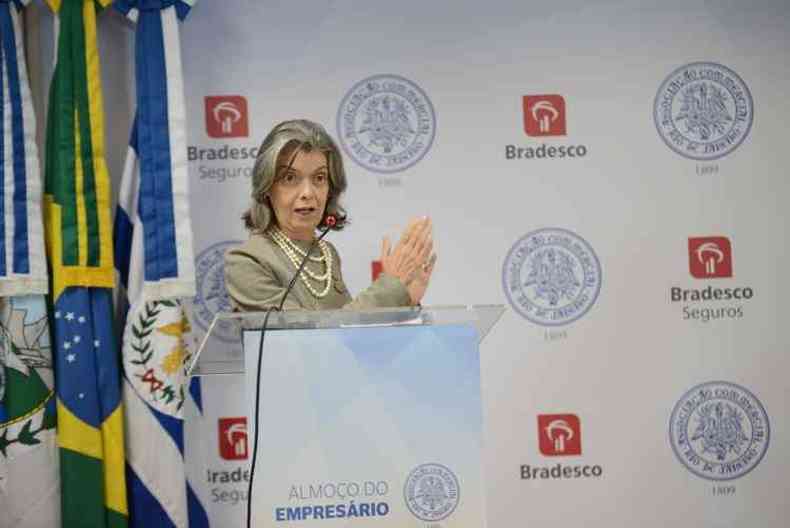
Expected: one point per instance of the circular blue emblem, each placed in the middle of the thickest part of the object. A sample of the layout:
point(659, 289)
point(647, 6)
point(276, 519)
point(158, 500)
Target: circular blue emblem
point(386, 123)
point(719, 430)
point(212, 297)
point(551, 276)
point(703, 111)
point(431, 492)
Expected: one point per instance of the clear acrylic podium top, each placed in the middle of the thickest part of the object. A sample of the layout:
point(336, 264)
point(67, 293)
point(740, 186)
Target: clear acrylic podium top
point(211, 360)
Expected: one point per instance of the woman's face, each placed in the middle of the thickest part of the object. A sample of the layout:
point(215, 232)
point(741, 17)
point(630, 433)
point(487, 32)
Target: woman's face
point(299, 193)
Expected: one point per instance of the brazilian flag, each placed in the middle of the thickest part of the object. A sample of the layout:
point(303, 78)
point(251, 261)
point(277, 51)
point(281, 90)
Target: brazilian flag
point(79, 248)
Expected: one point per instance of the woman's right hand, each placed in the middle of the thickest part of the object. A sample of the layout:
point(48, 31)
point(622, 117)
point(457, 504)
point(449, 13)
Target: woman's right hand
point(413, 250)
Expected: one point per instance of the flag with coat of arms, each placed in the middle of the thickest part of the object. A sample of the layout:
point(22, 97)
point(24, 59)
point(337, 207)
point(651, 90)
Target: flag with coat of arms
point(29, 481)
point(155, 260)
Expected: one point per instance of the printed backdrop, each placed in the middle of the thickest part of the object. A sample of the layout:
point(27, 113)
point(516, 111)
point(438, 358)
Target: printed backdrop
point(613, 172)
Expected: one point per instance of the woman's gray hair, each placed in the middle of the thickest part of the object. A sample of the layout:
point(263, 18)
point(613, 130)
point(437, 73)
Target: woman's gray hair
point(288, 138)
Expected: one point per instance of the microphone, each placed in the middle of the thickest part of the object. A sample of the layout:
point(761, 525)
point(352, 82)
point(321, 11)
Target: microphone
point(329, 222)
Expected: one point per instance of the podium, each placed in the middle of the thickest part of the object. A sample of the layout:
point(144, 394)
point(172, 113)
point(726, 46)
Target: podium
point(367, 418)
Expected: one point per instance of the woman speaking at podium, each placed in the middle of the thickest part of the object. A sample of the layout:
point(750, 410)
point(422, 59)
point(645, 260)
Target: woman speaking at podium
point(297, 183)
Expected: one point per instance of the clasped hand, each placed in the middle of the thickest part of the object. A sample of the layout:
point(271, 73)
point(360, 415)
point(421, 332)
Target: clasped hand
point(412, 259)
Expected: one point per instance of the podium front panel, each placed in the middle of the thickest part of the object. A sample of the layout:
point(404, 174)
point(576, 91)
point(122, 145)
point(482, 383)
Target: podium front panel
point(379, 425)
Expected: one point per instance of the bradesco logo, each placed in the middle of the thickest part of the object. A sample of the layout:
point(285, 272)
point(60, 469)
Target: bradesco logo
point(375, 269)
point(545, 116)
point(560, 435)
point(226, 116)
point(218, 162)
point(711, 257)
point(233, 438)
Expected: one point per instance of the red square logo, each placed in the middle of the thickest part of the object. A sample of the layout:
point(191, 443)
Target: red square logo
point(226, 116)
point(559, 434)
point(544, 115)
point(375, 269)
point(233, 438)
point(710, 257)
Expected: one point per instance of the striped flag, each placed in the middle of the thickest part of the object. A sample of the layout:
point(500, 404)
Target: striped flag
point(79, 247)
point(155, 260)
point(29, 482)
point(23, 268)
point(159, 132)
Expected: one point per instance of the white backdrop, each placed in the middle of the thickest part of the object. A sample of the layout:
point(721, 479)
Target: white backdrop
point(628, 356)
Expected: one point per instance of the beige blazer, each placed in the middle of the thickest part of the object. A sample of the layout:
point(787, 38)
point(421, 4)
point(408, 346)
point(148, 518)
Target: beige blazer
point(258, 271)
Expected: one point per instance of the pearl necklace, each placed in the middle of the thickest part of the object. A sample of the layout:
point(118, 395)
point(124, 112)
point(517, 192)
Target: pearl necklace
point(294, 252)
point(295, 247)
